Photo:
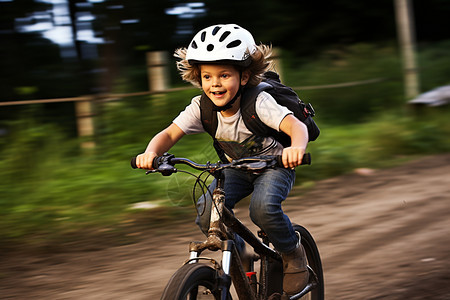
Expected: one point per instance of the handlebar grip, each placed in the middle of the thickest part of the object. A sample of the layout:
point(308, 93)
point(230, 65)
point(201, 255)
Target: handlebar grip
point(133, 163)
point(306, 160)
point(155, 163)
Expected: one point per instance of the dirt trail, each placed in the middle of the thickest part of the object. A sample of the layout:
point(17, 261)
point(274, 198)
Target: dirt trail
point(383, 235)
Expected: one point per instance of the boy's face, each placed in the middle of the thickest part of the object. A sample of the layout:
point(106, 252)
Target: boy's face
point(221, 82)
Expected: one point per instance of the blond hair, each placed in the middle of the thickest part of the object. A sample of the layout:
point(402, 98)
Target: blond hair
point(260, 63)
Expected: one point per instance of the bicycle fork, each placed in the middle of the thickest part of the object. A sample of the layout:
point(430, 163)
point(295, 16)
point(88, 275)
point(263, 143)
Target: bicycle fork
point(218, 238)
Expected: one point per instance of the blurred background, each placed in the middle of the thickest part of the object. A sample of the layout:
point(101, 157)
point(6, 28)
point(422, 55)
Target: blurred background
point(85, 84)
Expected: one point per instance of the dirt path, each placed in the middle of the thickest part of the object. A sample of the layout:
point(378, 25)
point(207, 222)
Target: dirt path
point(383, 235)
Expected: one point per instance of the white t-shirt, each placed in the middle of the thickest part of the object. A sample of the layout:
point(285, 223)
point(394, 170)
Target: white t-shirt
point(235, 139)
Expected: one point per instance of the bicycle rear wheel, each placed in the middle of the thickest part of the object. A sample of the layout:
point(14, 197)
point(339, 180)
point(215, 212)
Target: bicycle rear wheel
point(314, 262)
point(192, 281)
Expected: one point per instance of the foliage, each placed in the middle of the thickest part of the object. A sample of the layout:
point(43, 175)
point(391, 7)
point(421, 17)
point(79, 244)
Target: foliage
point(51, 191)
point(132, 28)
point(434, 71)
point(351, 64)
point(305, 27)
point(385, 140)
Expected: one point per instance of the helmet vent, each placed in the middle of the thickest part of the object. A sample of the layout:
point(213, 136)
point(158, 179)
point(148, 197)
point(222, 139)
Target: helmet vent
point(215, 30)
point(194, 45)
point(224, 36)
point(234, 44)
point(210, 47)
point(203, 37)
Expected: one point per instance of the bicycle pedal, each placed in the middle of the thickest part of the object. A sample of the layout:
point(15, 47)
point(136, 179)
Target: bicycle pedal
point(278, 296)
point(285, 297)
point(275, 296)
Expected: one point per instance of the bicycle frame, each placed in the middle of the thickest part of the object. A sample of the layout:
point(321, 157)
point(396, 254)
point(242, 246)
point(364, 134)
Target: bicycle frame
point(221, 235)
point(221, 238)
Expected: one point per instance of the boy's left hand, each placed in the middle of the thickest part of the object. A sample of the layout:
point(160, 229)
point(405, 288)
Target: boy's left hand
point(292, 156)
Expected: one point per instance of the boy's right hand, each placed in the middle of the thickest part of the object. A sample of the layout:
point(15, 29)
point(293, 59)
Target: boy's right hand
point(145, 160)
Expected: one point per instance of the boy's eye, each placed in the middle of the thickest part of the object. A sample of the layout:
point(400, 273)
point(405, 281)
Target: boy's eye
point(225, 75)
point(206, 76)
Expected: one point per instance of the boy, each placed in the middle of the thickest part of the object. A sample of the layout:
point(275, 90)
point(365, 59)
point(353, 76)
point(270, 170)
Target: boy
point(223, 60)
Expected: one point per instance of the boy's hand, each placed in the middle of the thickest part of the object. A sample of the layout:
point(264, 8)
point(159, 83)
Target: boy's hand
point(292, 156)
point(145, 160)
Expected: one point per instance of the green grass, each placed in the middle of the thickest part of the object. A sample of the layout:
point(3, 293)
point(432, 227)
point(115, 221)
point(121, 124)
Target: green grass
point(53, 193)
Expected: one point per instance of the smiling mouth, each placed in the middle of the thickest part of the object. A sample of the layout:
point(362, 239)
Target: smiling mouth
point(218, 93)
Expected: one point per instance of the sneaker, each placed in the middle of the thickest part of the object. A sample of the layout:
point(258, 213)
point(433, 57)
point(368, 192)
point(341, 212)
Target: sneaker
point(295, 271)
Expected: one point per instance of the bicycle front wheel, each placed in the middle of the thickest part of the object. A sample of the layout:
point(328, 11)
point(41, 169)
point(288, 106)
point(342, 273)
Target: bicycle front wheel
point(314, 262)
point(192, 281)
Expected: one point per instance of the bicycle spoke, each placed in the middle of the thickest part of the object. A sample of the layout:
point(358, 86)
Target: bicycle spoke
point(200, 293)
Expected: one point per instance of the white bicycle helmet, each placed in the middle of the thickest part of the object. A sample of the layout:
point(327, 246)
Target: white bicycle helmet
point(223, 43)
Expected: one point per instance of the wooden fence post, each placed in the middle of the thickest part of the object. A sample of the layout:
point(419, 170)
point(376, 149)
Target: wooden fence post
point(85, 123)
point(406, 36)
point(157, 70)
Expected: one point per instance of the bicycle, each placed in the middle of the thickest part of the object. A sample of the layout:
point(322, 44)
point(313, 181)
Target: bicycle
point(205, 278)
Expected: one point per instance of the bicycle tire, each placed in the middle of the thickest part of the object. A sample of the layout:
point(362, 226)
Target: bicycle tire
point(314, 261)
point(192, 281)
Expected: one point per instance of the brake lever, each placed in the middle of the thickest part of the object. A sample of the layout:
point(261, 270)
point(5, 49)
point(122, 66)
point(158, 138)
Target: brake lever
point(166, 169)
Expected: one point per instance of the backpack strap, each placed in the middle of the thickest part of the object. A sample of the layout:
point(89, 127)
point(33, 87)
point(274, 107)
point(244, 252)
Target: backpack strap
point(208, 115)
point(209, 121)
point(248, 110)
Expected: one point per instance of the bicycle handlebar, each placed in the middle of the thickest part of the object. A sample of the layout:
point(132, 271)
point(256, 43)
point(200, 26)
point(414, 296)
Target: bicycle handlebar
point(165, 164)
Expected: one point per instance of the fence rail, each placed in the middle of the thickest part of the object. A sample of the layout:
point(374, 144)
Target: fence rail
point(157, 70)
point(115, 97)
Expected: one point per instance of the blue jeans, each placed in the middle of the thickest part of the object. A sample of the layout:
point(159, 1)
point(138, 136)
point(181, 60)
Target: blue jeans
point(269, 190)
